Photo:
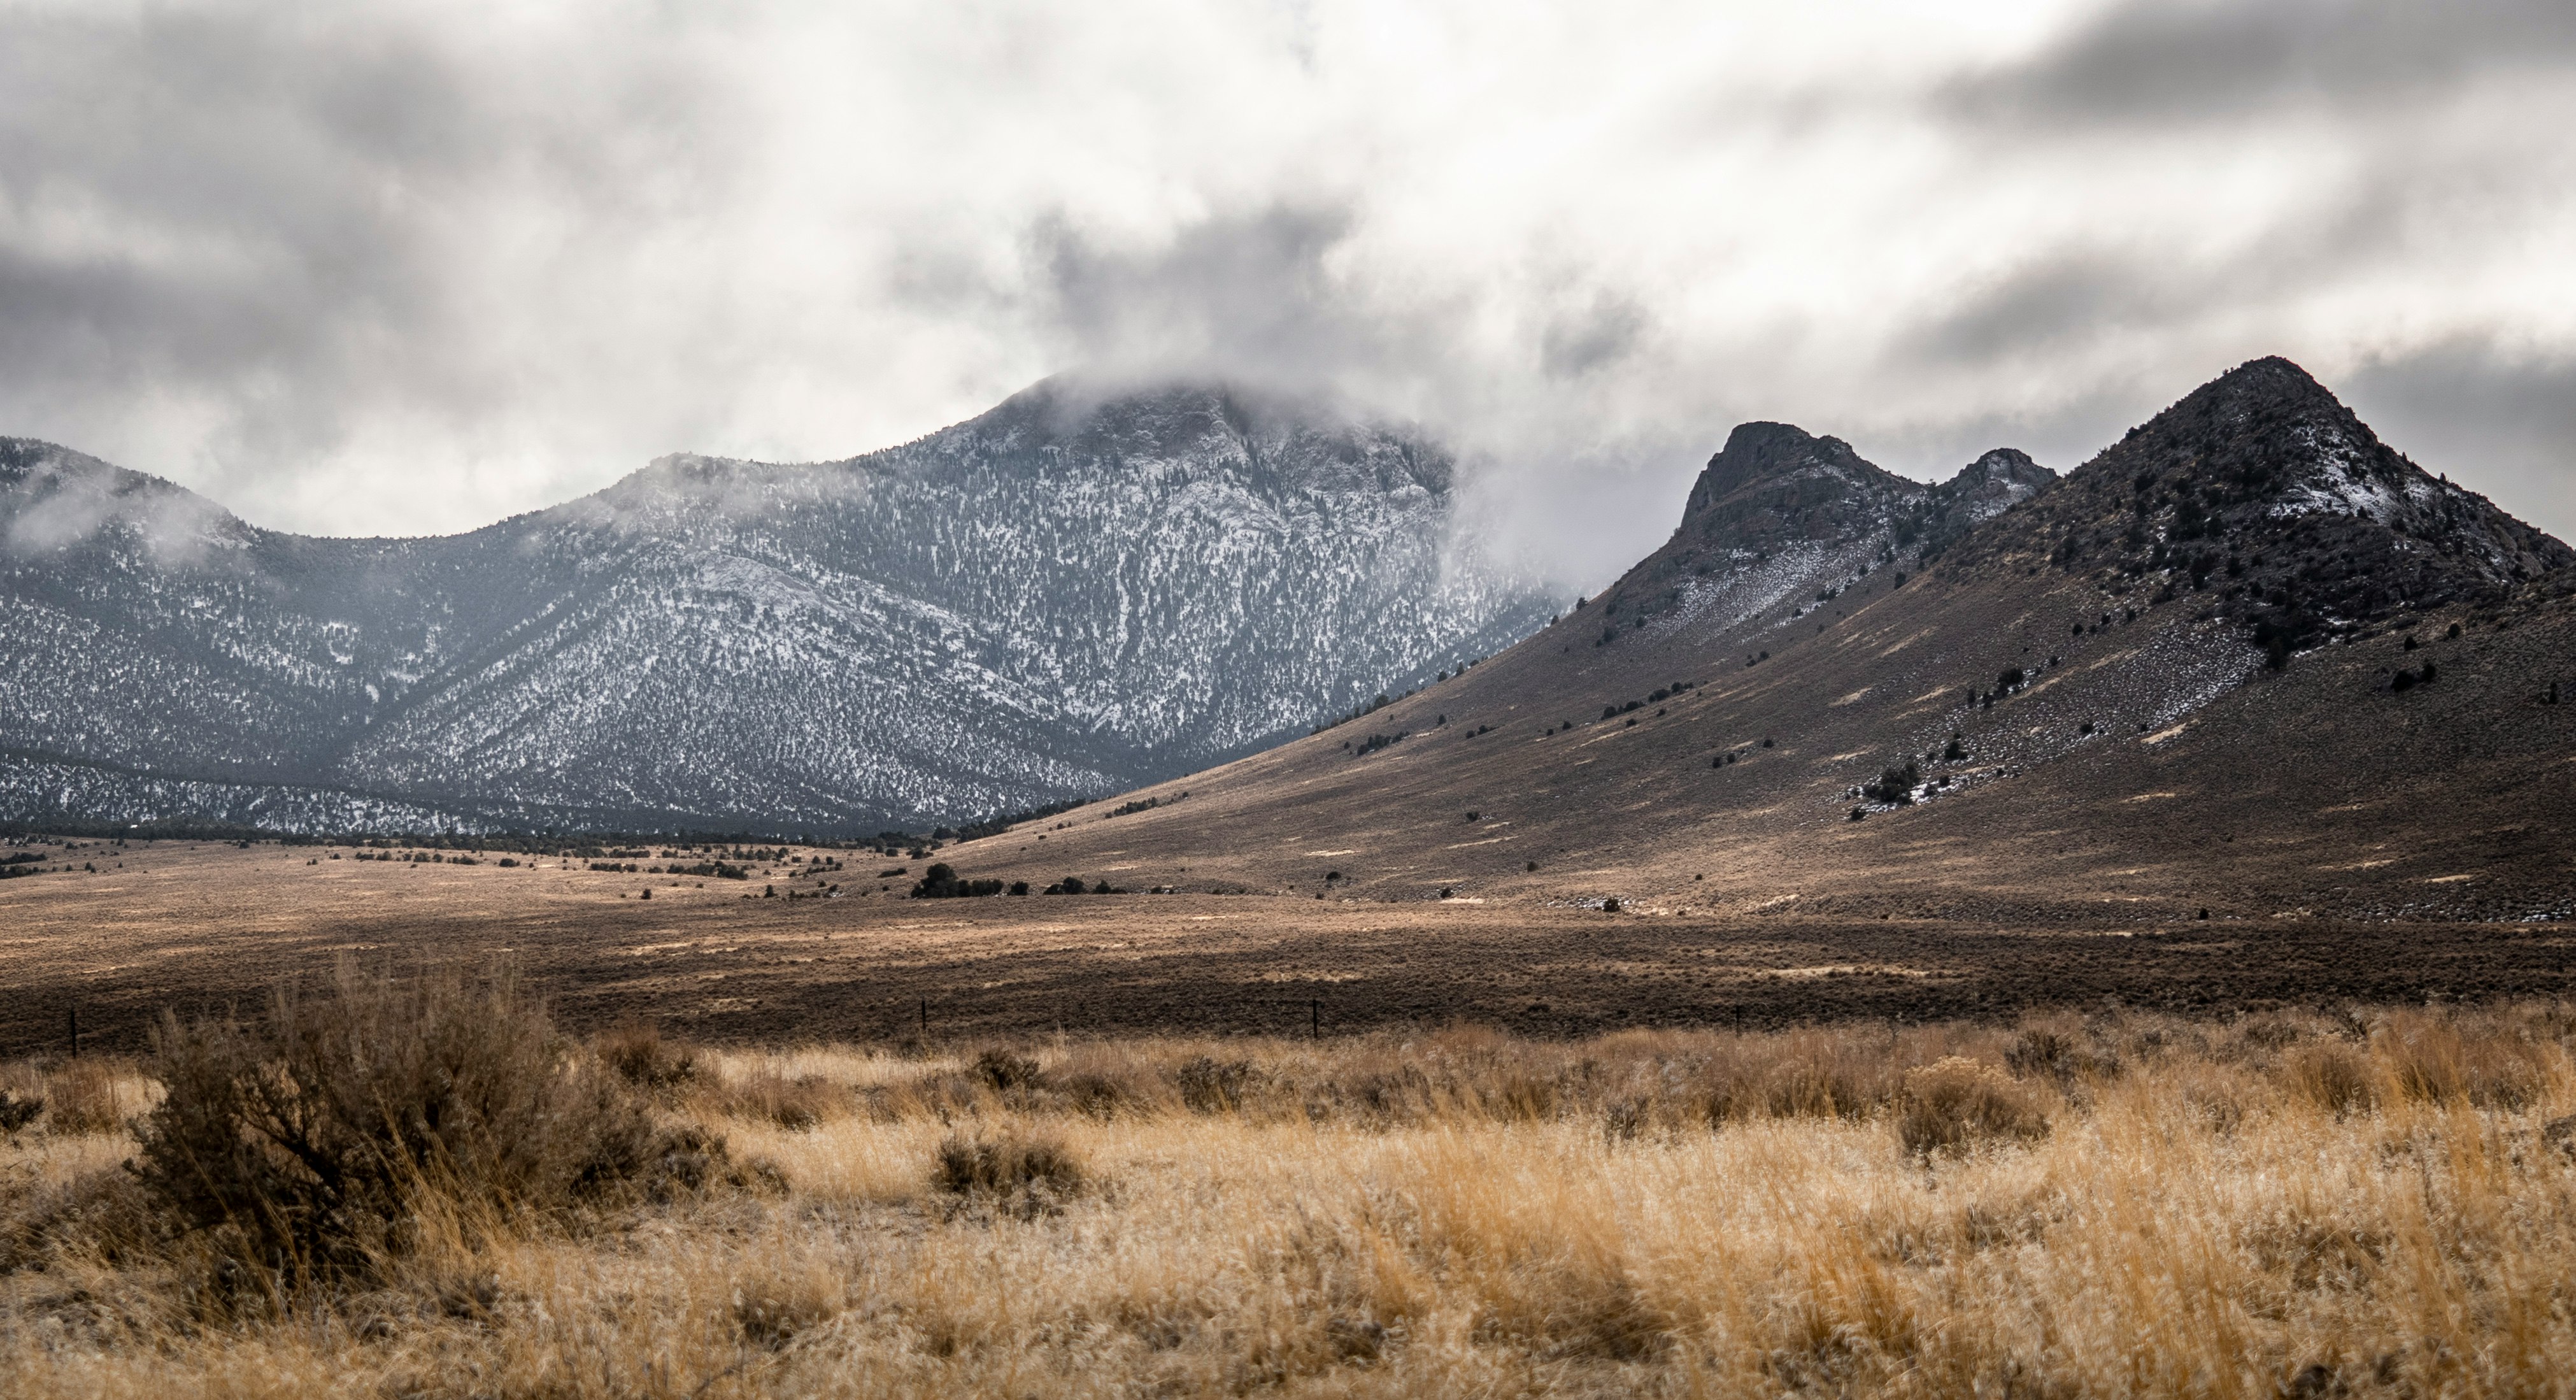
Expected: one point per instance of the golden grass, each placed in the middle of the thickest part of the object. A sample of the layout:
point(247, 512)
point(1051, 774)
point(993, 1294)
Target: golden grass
point(2378, 1202)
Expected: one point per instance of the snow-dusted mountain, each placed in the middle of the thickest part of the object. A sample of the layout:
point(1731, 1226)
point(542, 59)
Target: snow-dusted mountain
point(1779, 511)
point(1071, 594)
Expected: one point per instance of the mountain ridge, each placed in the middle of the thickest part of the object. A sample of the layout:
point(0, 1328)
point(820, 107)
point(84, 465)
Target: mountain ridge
point(1055, 599)
point(1844, 720)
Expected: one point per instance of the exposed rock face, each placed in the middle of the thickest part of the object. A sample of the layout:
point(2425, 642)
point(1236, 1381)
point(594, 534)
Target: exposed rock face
point(1071, 594)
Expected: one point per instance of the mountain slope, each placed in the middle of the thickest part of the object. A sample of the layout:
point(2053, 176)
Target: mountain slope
point(1767, 725)
point(1074, 592)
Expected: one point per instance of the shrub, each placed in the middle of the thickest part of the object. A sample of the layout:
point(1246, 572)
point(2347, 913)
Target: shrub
point(940, 882)
point(774, 1310)
point(16, 1112)
point(1008, 1165)
point(1895, 785)
point(1210, 1085)
point(84, 1098)
point(1957, 752)
point(1955, 1103)
point(302, 1146)
point(1805, 1074)
point(2428, 1059)
point(1002, 1070)
point(642, 1058)
point(2333, 1076)
point(99, 1217)
point(2057, 1053)
point(765, 1095)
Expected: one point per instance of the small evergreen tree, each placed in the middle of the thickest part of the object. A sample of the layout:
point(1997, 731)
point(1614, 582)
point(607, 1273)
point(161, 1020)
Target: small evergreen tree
point(1895, 786)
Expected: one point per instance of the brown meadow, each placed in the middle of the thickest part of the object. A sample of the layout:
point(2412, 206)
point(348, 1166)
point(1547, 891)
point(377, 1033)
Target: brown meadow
point(2373, 1201)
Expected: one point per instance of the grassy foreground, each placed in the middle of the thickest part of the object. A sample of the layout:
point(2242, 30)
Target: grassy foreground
point(2376, 1201)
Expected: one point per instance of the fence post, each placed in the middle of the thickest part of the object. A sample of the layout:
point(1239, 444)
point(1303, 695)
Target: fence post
point(74, 1013)
point(925, 1018)
point(1315, 1018)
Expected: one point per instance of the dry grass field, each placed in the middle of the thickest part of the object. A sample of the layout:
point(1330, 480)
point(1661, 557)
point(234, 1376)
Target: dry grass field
point(2375, 1201)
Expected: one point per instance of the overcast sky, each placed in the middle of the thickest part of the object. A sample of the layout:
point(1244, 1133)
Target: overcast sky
point(404, 268)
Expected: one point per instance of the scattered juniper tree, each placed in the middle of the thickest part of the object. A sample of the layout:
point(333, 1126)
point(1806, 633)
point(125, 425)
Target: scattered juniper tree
point(1895, 786)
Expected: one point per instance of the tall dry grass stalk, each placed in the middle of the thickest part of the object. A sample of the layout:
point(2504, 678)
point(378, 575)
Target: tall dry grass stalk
point(2373, 1202)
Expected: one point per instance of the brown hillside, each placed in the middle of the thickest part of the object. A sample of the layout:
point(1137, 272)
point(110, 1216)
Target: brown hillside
point(1700, 738)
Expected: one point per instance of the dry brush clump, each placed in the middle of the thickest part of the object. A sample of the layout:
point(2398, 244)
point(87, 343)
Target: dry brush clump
point(1956, 1103)
point(637, 1050)
point(1019, 1166)
point(90, 1095)
point(2346, 1201)
point(315, 1146)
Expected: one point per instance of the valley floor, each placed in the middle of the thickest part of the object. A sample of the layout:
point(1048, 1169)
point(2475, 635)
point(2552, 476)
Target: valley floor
point(198, 927)
point(2379, 1201)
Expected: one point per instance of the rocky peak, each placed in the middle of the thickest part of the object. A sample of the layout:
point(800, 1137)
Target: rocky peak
point(1774, 484)
point(1932, 522)
point(1764, 457)
point(1773, 489)
point(1996, 482)
point(2266, 497)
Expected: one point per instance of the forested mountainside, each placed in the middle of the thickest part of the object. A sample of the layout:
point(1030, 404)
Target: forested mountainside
point(1071, 594)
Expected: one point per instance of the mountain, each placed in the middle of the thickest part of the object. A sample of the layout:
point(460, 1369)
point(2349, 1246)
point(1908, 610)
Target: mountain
point(1777, 509)
point(1075, 592)
point(2312, 526)
point(2247, 660)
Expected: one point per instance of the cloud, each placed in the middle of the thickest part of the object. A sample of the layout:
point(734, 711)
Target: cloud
point(1592, 337)
point(1239, 294)
point(385, 268)
point(2031, 309)
point(2482, 413)
point(60, 500)
point(2211, 61)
